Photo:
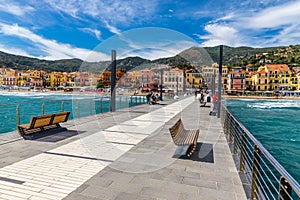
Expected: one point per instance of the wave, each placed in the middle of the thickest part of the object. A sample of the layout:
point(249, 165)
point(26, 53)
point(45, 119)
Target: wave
point(276, 105)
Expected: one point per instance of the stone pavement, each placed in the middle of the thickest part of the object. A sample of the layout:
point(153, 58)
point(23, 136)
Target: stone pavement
point(128, 154)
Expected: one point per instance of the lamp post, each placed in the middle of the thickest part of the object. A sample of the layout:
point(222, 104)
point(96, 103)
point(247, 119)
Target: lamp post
point(161, 84)
point(220, 81)
point(113, 82)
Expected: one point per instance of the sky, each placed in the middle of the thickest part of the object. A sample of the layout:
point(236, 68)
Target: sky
point(90, 29)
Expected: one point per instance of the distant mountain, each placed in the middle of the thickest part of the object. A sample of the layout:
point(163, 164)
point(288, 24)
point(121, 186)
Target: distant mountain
point(24, 63)
point(233, 55)
point(195, 55)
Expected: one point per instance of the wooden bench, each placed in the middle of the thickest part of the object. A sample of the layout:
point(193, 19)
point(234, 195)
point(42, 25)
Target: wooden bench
point(42, 123)
point(182, 137)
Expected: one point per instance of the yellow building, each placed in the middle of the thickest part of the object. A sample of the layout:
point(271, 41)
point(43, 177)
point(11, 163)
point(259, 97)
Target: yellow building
point(57, 78)
point(279, 75)
point(260, 80)
point(225, 79)
point(21, 78)
point(194, 79)
point(8, 77)
point(295, 78)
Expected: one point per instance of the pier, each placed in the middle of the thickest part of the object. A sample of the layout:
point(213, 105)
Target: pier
point(127, 154)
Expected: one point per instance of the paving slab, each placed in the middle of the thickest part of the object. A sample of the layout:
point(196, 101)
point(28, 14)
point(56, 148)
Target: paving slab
point(128, 154)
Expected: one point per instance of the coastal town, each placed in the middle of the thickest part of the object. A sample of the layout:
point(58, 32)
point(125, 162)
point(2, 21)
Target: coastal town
point(266, 79)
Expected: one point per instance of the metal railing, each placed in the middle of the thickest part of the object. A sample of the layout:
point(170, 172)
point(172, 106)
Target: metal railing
point(259, 170)
point(13, 114)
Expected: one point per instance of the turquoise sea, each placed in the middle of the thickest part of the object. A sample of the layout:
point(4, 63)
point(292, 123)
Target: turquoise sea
point(32, 103)
point(276, 124)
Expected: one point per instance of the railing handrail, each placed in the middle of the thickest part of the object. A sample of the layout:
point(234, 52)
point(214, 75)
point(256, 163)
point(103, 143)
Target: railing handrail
point(294, 184)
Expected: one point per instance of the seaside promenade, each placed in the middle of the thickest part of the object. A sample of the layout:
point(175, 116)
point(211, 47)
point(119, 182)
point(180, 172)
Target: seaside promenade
point(128, 154)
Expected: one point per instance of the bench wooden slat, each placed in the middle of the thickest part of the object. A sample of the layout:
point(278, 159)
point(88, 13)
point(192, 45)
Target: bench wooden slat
point(182, 137)
point(60, 117)
point(41, 123)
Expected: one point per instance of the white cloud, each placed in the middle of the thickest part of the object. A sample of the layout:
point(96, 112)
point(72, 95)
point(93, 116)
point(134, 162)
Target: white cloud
point(221, 34)
point(14, 51)
point(14, 8)
point(112, 28)
point(256, 26)
point(114, 12)
point(95, 32)
point(154, 50)
point(289, 35)
point(275, 17)
point(51, 49)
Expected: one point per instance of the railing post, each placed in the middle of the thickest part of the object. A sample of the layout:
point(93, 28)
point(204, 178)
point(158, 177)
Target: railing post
point(78, 109)
point(285, 190)
point(235, 142)
point(231, 131)
point(243, 153)
point(255, 173)
point(101, 106)
point(225, 122)
point(130, 102)
point(91, 107)
point(126, 102)
point(62, 106)
point(17, 116)
point(120, 100)
point(43, 108)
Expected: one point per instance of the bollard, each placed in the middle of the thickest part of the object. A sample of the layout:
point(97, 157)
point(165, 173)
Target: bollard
point(43, 108)
point(62, 106)
point(255, 172)
point(243, 153)
point(120, 102)
point(126, 102)
point(17, 116)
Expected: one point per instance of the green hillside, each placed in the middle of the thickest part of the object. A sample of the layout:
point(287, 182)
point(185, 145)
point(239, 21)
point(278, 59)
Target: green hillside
point(232, 56)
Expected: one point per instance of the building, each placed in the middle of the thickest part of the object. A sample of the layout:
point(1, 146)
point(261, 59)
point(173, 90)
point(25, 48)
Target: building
point(194, 79)
point(260, 80)
point(237, 81)
point(173, 78)
point(8, 77)
point(57, 79)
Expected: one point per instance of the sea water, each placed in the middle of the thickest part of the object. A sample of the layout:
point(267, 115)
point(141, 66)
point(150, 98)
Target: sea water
point(29, 104)
point(276, 124)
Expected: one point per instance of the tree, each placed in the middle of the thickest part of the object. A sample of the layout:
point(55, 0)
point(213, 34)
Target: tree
point(100, 84)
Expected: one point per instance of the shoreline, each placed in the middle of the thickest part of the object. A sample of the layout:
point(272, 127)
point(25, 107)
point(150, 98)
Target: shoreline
point(260, 97)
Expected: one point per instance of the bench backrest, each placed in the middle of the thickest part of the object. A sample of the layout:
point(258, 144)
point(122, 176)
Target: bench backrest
point(40, 121)
point(176, 130)
point(60, 117)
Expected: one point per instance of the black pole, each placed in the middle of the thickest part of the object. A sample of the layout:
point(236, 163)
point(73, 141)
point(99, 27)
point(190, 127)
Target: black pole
point(161, 84)
point(177, 86)
point(113, 82)
point(220, 81)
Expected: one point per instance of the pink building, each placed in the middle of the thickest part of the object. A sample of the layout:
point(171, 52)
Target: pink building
point(237, 80)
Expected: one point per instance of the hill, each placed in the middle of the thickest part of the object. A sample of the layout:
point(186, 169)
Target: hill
point(232, 56)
